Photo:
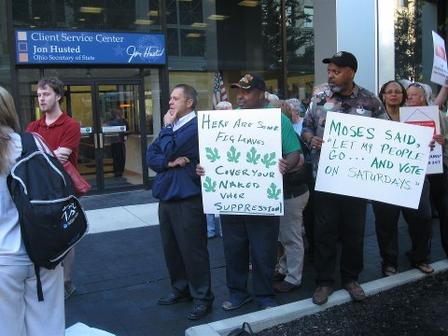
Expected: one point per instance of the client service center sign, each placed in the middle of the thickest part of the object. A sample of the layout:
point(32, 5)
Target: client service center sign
point(375, 159)
point(239, 150)
point(76, 47)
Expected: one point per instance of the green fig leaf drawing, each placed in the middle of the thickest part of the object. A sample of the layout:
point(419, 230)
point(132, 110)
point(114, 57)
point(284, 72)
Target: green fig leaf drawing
point(273, 192)
point(233, 155)
point(209, 185)
point(268, 160)
point(252, 156)
point(212, 154)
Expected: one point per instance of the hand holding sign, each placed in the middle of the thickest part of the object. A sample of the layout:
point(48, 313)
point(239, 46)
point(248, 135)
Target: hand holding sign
point(241, 157)
point(439, 67)
point(374, 159)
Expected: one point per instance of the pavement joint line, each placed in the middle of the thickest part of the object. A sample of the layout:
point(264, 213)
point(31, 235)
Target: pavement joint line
point(133, 214)
point(268, 318)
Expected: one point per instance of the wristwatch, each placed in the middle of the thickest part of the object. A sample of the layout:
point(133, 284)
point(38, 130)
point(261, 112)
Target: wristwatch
point(169, 125)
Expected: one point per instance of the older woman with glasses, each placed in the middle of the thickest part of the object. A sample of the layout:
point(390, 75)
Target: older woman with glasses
point(393, 95)
point(420, 95)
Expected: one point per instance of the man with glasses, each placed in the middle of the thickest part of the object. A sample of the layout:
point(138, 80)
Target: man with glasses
point(338, 216)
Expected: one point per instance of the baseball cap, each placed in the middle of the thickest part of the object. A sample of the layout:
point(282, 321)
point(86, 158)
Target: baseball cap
point(250, 81)
point(343, 58)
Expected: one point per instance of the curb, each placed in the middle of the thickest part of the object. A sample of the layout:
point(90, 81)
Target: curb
point(268, 318)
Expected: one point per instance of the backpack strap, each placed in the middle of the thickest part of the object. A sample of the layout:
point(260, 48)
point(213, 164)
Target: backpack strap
point(28, 143)
point(246, 327)
point(40, 294)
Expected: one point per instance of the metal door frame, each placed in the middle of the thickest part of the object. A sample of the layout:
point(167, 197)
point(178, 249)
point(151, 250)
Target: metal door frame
point(98, 136)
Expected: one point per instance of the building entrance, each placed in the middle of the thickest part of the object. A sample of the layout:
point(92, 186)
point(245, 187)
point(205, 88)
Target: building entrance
point(112, 149)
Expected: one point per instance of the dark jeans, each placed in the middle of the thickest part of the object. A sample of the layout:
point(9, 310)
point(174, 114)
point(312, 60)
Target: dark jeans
point(439, 198)
point(419, 224)
point(257, 234)
point(118, 150)
point(338, 217)
point(184, 237)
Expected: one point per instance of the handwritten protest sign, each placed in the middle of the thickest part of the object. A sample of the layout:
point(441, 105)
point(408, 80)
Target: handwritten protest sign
point(374, 159)
point(426, 116)
point(439, 65)
point(239, 150)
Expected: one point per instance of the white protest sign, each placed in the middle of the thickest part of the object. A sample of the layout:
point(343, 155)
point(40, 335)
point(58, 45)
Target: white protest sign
point(239, 150)
point(439, 65)
point(426, 116)
point(374, 159)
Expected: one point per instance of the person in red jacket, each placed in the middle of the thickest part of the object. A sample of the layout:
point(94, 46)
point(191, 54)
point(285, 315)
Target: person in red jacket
point(62, 134)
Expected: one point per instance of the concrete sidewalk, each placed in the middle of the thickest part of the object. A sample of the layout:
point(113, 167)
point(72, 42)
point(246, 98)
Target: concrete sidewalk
point(120, 272)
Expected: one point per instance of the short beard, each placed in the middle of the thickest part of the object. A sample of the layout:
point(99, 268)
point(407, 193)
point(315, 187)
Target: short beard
point(335, 88)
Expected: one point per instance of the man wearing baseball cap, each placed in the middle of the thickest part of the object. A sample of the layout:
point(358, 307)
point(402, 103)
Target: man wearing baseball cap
point(338, 216)
point(257, 233)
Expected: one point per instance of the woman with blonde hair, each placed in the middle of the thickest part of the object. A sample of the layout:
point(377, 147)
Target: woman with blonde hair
point(21, 313)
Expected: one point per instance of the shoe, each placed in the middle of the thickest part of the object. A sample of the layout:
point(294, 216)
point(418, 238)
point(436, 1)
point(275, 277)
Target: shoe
point(278, 276)
point(267, 302)
point(321, 294)
point(172, 298)
point(233, 304)
point(69, 289)
point(284, 287)
point(423, 267)
point(355, 291)
point(389, 270)
point(199, 311)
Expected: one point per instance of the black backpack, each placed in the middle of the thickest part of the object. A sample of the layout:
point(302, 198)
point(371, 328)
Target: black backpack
point(245, 330)
point(51, 218)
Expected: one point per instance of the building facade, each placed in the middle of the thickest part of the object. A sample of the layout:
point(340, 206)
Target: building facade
point(282, 40)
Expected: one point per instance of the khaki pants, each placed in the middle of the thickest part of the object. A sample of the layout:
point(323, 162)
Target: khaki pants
point(290, 236)
point(21, 314)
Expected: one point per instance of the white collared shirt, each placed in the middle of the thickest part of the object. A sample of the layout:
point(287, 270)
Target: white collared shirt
point(182, 121)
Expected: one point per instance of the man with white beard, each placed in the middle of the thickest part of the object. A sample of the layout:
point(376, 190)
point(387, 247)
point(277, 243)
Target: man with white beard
point(338, 216)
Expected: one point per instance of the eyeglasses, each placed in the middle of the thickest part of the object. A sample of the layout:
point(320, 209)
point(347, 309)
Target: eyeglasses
point(391, 92)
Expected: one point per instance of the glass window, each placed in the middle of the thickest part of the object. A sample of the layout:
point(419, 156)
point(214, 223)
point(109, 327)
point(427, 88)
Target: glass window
point(5, 75)
point(186, 29)
point(138, 15)
point(152, 101)
point(27, 104)
point(201, 81)
point(191, 12)
point(300, 49)
point(193, 43)
point(171, 12)
point(172, 41)
point(72, 73)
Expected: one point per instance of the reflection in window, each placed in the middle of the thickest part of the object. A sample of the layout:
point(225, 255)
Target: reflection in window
point(138, 15)
point(191, 12)
point(172, 42)
point(27, 103)
point(182, 16)
point(193, 43)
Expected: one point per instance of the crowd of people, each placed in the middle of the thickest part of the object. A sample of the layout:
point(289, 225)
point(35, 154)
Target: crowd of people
point(267, 250)
point(272, 248)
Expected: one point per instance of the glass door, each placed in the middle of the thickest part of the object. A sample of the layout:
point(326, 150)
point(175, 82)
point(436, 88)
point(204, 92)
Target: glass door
point(118, 111)
point(78, 103)
point(110, 152)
